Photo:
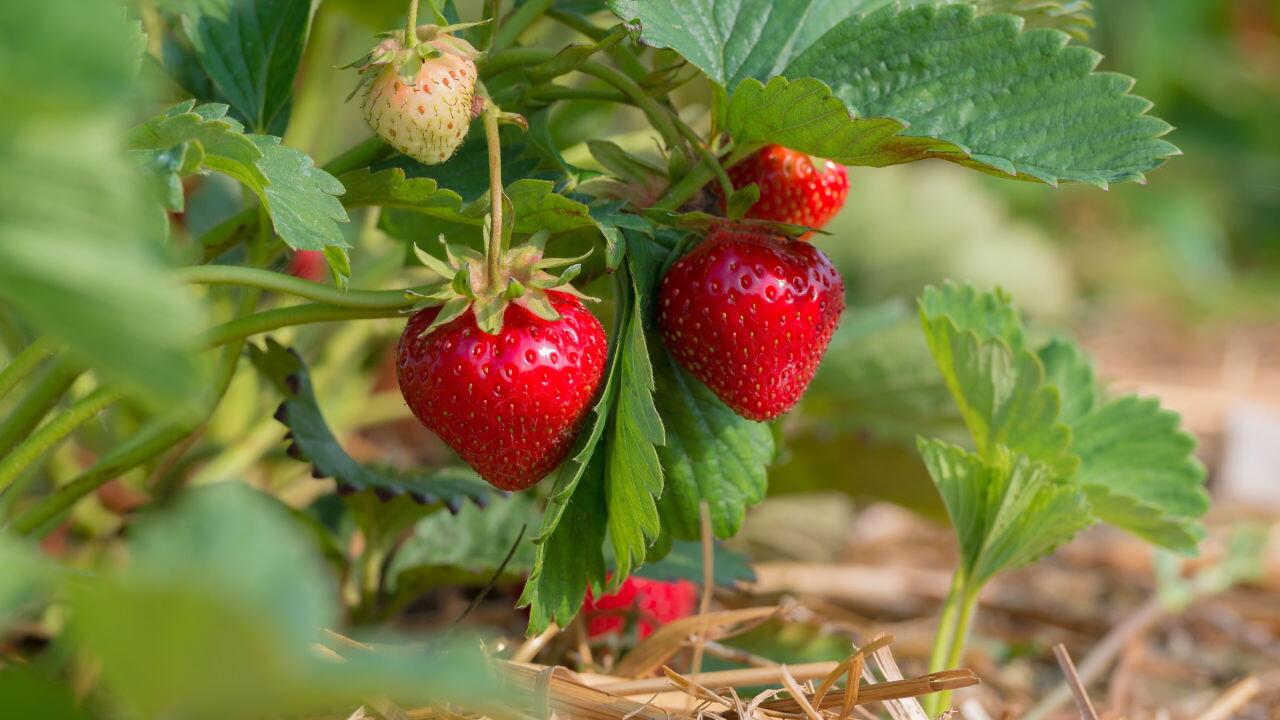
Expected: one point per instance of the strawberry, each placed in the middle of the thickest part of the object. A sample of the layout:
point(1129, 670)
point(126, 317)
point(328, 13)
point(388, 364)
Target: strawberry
point(653, 603)
point(421, 99)
point(794, 188)
point(509, 404)
point(749, 314)
point(308, 265)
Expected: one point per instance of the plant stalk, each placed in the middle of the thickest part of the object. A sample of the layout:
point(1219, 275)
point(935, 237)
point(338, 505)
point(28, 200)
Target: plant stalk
point(493, 248)
point(290, 285)
point(518, 22)
point(411, 26)
point(40, 399)
point(953, 633)
point(23, 364)
point(54, 432)
point(708, 158)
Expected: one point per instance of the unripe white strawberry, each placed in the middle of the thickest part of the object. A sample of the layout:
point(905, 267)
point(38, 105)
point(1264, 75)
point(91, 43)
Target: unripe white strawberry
point(421, 100)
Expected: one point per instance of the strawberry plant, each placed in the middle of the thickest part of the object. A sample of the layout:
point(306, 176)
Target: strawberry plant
point(474, 214)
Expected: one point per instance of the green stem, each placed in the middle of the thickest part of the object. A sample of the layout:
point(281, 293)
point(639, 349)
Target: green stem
point(961, 604)
point(268, 320)
point(411, 26)
point(54, 432)
point(38, 402)
point(559, 92)
point(519, 21)
point(23, 364)
point(657, 115)
point(708, 158)
point(946, 624)
point(290, 285)
point(620, 54)
point(493, 249)
point(500, 62)
point(698, 176)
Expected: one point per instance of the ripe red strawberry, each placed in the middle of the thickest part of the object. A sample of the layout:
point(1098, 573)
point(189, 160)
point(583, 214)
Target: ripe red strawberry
point(308, 265)
point(792, 189)
point(653, 603)
point(749, 314)
point(509, 404)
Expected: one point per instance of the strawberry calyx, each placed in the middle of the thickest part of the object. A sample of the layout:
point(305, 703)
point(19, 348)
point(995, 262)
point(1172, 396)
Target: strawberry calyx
point(396, 49)
point(461, 282)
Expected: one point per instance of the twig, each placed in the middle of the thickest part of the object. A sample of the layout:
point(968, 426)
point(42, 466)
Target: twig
point(708, 586)
point(1151, 612)
point(796, 693)
point(1073, 681)
point(738, 655)
point(722, 678)
point(531, 647)
point(1235, 697)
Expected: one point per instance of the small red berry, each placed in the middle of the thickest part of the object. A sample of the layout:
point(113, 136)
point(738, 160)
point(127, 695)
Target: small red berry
point(653, 603)
point(308, 265)
point(509, 404)
point(792, 189)
point(750, 314)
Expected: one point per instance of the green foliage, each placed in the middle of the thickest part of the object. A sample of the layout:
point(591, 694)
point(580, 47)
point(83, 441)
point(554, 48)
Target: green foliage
point(1008, 510)
point(634, 477)
point(250, 50)
point(312, 440)
point(1050, 459)
point(228, 591)
point(898, 86)
point(301, 198)
point(80, 249)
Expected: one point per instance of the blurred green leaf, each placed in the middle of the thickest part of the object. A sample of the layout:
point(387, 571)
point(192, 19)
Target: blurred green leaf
point(474, 542)
point(250, 49)
point(26, 578)
point(312, 439)
point(228, 591)
point(684, 562)
point(25, 693)
point(878, 381)
point(80, 252)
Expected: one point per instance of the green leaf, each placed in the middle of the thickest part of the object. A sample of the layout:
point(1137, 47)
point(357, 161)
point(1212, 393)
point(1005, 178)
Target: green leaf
point(898, 86)
point(569, 558)
point(1000, 390)
point(228, 590)
point(536, 204)
point(311, 439)
point(1007, 510)
point(301, 198)
point(711, 454)
point(611, 221)
point(81, 253)
point(1140, 471)
point(632, 471)
point(1067, 368)
point(251, 51)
